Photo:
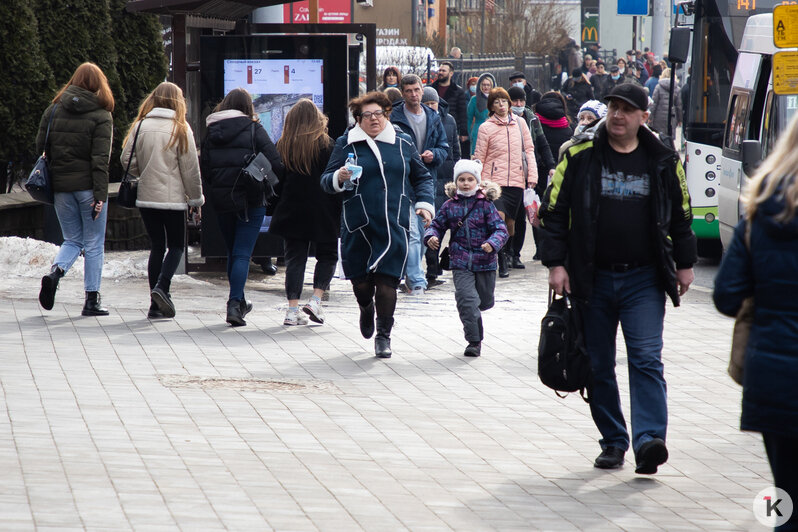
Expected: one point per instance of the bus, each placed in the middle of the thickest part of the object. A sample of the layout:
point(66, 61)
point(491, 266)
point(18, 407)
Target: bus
point(755, 119)
point(718, 27)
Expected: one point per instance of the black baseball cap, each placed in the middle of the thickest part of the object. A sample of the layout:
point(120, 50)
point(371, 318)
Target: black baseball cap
point(632, 94)
point(517, 75)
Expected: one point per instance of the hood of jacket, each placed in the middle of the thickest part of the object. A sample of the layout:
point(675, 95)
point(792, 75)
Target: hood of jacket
point(78, 100)
point(224, 126)
point(550, 108)
point(487, 190)
point(443, 108)
point(482, 100)
point(665, 83)
point(768, 212)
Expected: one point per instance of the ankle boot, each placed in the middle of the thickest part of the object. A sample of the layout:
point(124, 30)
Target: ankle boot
point(246, 307)
point(49, 286)
point(382, 342)
point(154, 313)
point(367, 320)
point(164, 302)
point(93, 305)
point(235, 316)
point(504, 269)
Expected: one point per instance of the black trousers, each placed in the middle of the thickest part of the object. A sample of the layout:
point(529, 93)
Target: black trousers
point(783, 457)
point(166, 229)
point(520, 230)
point(296, 257)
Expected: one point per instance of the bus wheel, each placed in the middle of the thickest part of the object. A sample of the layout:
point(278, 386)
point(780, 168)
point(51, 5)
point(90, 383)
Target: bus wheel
point(710, 248)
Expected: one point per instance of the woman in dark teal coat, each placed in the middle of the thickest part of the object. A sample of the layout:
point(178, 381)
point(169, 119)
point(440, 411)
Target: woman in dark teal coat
point(764, 264)
point(377, 210)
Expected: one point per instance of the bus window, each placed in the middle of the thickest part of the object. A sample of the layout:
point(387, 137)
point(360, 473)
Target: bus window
point(738, 116)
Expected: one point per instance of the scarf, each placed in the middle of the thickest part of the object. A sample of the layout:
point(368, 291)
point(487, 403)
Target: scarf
point(561, 122)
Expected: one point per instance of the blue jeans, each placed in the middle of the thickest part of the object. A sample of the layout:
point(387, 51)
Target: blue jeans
point(636, 299)
point(81, 233)
point(240, 236)
point(414, 275)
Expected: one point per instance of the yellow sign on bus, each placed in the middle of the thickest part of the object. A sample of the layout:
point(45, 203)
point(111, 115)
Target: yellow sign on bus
point(785, 72)
point(785, 26)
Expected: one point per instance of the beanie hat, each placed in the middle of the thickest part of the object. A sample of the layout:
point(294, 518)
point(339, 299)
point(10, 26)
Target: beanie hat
point(595, 107)
point(516, 93)
point(429, 95)
point(471, 166)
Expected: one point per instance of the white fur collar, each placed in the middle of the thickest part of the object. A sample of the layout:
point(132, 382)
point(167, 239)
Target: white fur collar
point(161, 112)
point(387, 135)
point(223, 115)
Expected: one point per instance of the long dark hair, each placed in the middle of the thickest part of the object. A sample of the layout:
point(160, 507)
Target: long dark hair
point(239, 100)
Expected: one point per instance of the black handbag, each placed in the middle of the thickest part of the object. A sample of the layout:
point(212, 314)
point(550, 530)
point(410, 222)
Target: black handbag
point(259, 172)
point(129, 187)
point(563, 362)
point(39, 184)
point(444, 262)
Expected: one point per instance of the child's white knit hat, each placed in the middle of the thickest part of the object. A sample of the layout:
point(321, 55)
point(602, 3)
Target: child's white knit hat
point(473, 167)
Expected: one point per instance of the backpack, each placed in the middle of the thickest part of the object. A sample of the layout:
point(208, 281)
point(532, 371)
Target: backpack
point(563, 362)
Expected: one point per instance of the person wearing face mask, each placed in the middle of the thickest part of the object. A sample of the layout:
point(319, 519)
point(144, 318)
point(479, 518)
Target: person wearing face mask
point(545, 162)
point(476, 232)
point(478, 110)
point(518, 79)
point(588, 119)
point(613, 80)
point(390, 78)
point(506, 147)
point(471, 88)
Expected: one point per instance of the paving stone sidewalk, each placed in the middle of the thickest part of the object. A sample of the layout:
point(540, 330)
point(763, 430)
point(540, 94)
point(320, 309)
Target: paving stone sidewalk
point(121, 423)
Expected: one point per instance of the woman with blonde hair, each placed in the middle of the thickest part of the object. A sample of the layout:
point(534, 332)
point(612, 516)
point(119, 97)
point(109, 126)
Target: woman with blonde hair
point(160, 149)
point(78, 148)
point(762, 262)
point(305, 213)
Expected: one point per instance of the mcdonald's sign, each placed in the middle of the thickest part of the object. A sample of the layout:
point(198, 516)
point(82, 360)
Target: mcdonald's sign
point(589, 35)
point(590, 22)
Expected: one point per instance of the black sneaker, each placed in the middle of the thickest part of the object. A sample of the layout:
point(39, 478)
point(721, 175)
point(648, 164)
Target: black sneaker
point(651, 455)
point(610, 458)
point(163, 301)
point(474, 349)
point(433, 282)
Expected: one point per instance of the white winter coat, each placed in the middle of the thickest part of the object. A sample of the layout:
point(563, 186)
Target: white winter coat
point(166, 180)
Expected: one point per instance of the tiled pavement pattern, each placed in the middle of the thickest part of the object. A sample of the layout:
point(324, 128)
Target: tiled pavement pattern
point(119, 423)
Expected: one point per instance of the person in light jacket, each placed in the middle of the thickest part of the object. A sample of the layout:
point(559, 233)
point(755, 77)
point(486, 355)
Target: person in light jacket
point(377, 209)
point(662, 104)
point(505, 147)
point(165, 159)
point(765, 268)
point(78, 149)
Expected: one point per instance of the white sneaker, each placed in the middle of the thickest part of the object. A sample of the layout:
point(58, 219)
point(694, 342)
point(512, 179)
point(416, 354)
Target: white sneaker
point(293, 317)
point(417, 291)
point(314, 311)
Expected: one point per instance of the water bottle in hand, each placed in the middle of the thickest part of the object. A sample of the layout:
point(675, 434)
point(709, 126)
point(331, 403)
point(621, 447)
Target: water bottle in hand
point(354, 169)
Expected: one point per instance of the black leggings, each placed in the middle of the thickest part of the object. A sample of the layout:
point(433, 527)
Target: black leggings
point(379, 288)
point(167, 231)
point(296, 257)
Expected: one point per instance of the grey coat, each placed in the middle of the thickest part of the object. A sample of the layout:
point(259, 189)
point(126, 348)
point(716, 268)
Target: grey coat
point(659, 109)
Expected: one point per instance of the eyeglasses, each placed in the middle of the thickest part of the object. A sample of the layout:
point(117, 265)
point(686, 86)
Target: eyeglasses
point(369, 115)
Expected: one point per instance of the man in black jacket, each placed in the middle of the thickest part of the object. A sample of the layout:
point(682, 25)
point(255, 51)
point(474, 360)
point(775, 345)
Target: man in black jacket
point(456, 98)
point(616, 219)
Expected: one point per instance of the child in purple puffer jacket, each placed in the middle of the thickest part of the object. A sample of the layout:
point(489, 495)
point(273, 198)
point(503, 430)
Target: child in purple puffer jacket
point(477, 233)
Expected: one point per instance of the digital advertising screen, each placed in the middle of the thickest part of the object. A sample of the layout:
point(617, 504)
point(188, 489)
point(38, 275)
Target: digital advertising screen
point(276, 85)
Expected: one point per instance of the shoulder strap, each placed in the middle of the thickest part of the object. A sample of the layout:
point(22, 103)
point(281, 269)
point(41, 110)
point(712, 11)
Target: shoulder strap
point(252, 130)
point(49, 123)
point(461, 221)
point(126, 175)
point(747, 237)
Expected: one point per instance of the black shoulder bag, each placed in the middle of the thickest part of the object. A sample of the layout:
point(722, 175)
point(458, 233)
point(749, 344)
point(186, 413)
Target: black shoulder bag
point(258, 171)
point(445, 261)
point(129, 187)
point(39, 183)
point(563, 362)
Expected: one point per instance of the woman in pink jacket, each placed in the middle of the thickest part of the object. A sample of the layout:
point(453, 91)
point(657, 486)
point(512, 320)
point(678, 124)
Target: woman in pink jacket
point(505, 148)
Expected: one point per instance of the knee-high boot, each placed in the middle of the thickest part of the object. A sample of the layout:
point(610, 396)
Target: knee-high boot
point(382, 342)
